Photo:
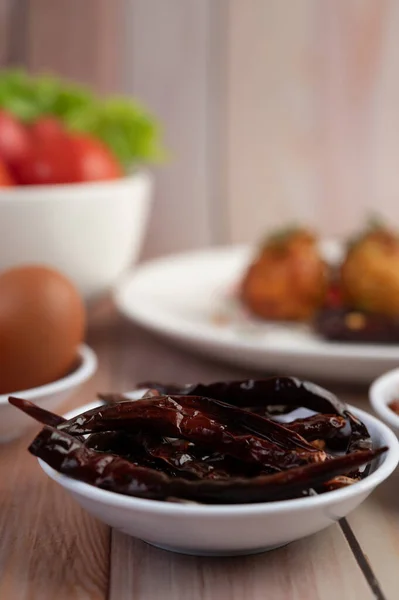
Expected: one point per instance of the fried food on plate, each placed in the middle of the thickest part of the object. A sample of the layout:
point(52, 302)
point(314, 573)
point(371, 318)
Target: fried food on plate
point(370, 273)
point(288, 278)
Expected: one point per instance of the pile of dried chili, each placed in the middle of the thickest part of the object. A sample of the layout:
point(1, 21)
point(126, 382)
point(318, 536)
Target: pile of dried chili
point(217, 443)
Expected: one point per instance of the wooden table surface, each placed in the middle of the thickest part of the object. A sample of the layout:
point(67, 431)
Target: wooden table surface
point(51, 549)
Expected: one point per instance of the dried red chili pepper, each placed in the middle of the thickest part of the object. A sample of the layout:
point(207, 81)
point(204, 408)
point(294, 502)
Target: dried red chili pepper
point(283, 392)
point(172, 456)
point(318, 426)
point(189, 460)
point(360, 438)
point(272, 431)
point(181, 417)
point(222, 453)
point(125, 416)
point(261, 392)
point(70, 456)
point(125, 445)
point(39, 414)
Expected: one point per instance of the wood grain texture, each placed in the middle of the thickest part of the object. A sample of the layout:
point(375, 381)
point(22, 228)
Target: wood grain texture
point(12, 32)
point(4, 29)
point(50, 548)
point(167, 65)
point(376, 526)
point(272, 112)
point(306, 569)
point(312, 119)
point(77, 40)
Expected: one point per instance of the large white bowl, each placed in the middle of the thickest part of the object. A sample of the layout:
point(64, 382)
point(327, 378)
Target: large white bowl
point(384, 390)
point(92, 232)
point(230, 529)
point(14, 423)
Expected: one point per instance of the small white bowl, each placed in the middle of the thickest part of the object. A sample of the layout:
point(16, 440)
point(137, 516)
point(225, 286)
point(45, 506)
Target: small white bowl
point(14, 423)
point(226, 530)
point(92, 232)
point(384, 390)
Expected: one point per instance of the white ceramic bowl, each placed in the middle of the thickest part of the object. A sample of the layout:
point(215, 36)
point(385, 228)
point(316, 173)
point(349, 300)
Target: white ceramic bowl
point(13, 422)
point(384, 390)
point(230, 529)
point(92, 232)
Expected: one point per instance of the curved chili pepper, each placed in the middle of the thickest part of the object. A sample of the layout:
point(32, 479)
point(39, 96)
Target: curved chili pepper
point(284, 393)
point(114, 442)
point(272, 431)
point(232, 442)
point(130, 447)
point(181, 417)
point(178, 455)
point(360, 438)
point(70, 456)
point(317, 426)
point(172, 456)
point(194, 462)
point(39, 414)
point(261, 392)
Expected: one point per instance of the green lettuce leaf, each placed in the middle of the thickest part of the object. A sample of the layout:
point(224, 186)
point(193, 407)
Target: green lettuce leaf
point(123, 124)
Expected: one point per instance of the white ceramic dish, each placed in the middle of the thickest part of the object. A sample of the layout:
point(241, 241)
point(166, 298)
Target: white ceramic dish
point(230, 529)
point(186, 298)
point(383, 391)
point(14, 423)
point(92, 232)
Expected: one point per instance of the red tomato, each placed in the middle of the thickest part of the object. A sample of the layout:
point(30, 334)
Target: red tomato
point(5, 177)
point(49, 161)
point(95, 162)
point(47, 128)
point(14, 139)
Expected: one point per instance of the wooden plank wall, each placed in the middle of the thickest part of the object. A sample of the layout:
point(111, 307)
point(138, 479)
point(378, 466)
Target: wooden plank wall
point(157, 51)
point(273, 111)
point(167, 64)
point(313, 119)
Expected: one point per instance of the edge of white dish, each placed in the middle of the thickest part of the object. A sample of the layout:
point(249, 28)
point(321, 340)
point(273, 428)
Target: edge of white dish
point(43, 192)
point(382, 392)
point(155, 316)
point(388, 463)
point(87, 366)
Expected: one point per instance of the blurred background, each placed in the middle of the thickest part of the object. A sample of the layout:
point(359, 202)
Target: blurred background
point(272, 111)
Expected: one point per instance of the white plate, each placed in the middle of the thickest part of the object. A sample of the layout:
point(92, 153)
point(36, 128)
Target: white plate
point(188, 298)
point(226, 530)
point(382, 392)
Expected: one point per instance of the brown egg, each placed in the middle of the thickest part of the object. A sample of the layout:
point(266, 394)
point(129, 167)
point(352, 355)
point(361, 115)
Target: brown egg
point(42, 322)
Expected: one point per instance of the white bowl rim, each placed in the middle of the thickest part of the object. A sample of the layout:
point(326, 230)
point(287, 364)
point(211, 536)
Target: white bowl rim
point(85, 369)
point(389, 462)
point(377, 391)
point(44, 192)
